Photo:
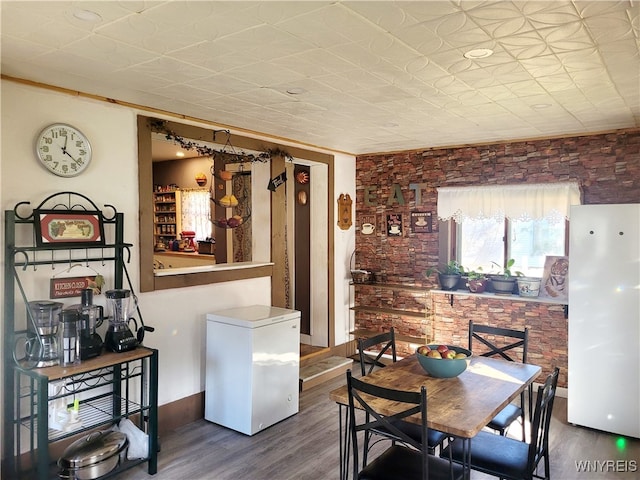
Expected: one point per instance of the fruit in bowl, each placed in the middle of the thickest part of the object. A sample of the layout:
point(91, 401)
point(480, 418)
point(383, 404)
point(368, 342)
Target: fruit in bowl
point(443, 361)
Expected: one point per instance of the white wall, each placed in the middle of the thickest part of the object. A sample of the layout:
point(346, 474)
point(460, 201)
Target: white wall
point(344, 244)
point(178, 315)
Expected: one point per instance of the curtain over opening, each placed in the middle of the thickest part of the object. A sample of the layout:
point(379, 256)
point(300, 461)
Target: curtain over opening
point(534, 201)
point(196, 212)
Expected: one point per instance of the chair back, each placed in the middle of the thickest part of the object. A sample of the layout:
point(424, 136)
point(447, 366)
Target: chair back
point(388, 342)
point(539, 446)
point(376, 401)
point(500, 341)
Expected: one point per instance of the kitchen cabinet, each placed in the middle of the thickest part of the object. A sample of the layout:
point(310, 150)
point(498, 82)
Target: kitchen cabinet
point(378, 306)
point(167, 214)
point(105, 388)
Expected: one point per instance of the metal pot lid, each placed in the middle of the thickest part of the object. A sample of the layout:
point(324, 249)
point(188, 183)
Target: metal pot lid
point(93, 448)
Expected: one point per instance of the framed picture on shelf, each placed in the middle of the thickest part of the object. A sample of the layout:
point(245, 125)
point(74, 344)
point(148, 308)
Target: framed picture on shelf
point(68, 228)
point(555, 278)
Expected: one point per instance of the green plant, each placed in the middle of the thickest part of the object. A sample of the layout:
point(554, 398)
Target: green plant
point(475, 274)
point(451, 268)
point(506, 271)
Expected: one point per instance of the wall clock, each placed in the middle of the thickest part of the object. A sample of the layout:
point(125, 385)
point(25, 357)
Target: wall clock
point(63, 150)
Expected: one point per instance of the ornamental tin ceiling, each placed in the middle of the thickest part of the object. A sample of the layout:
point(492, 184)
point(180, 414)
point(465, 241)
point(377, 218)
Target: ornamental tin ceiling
point(357, 77)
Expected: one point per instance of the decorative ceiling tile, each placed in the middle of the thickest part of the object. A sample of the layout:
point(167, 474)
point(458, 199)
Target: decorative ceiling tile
point(362, 65)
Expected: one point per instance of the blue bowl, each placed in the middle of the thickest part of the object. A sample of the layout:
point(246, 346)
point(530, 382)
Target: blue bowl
point(445, 367)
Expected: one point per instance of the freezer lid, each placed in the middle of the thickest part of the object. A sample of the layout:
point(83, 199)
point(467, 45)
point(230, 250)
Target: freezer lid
point(253, 316)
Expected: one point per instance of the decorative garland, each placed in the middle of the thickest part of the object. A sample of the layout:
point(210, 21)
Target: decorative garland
point(205, 151)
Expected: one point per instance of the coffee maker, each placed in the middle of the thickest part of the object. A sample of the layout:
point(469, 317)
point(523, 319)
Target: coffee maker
point(43, 318)
point(119, 337)
point(91, 317)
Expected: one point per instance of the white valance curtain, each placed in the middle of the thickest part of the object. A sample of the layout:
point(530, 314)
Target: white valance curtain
point(533, 201)
point(196, 212)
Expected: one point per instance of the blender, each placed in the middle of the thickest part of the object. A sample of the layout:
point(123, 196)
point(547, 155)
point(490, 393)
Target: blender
point(119, 337)
point(91, 317)
point(69, 341)
point(42, 332)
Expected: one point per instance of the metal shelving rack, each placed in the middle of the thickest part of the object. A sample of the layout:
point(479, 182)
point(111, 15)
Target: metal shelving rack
point(110, 387)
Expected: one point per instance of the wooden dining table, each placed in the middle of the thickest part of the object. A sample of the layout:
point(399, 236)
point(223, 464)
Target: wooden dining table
point(460, 406)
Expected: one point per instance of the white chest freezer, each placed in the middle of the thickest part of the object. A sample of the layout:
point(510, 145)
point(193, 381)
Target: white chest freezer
point(252, 368)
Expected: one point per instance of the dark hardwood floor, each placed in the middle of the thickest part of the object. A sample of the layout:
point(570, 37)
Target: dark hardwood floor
point(305, 447)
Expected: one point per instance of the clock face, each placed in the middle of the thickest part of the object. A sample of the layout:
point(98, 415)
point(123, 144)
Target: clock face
point(63, 150)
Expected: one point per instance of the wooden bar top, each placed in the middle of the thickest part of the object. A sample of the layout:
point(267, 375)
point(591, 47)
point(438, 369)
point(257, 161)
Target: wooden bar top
point(460, 406)
point(106, 359)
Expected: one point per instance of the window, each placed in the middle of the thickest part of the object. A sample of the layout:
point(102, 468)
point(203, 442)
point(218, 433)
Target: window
point(481, 242)
point(495, 223)
point(196, 212)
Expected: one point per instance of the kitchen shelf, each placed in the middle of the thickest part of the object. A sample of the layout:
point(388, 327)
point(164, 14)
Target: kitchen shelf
point(389, 311)
point(364, 333)
point(167, 213)
point(109, 387)
point(402, 332)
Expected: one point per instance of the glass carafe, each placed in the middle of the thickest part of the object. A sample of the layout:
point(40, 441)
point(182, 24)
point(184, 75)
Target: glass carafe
point(119, 337)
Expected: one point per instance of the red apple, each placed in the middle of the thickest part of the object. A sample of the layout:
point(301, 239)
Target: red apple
point(423, 349)
point(449, 354)
point(442, 348)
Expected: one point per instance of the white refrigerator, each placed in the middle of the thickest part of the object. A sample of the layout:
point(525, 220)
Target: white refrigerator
point(252, 367)
point(604, 318)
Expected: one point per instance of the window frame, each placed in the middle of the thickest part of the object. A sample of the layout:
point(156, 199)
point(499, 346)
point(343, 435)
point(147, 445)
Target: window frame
point(450, 242)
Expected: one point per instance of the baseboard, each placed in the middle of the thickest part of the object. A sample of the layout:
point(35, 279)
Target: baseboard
point(179, 413)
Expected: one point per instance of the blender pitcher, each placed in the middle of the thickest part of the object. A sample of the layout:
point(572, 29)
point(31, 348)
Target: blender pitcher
point(119, 337)
point(91, 317)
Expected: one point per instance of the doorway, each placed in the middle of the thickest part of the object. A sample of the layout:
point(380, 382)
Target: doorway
point(308, 215)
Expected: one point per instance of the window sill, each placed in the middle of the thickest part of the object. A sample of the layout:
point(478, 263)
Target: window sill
point(512, 297)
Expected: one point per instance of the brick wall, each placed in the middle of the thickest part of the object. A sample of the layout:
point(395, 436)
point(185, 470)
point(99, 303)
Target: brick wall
point(607, 166)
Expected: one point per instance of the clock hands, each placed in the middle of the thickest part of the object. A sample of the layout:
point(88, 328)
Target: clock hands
point(67, 153)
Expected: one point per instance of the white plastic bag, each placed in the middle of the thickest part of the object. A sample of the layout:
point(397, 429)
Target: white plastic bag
point(138, 440)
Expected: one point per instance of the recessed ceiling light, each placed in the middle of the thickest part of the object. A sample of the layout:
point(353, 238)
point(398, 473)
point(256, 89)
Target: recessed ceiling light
point(179, 154)
point(478, 53)
point(87, 15)
point(296, 91)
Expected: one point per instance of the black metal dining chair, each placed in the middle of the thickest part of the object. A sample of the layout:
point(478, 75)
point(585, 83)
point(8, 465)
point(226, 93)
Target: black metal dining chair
point(503, 342)
point(506, 457)
point(406, 459)
point(368, 361)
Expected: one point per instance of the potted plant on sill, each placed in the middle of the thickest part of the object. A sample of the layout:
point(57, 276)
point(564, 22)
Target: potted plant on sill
point(505, 283)
point(477, 281)
point(449, 275)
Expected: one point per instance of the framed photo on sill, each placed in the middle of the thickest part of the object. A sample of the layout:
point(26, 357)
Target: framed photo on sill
point(555, 278)
point(68, 228)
